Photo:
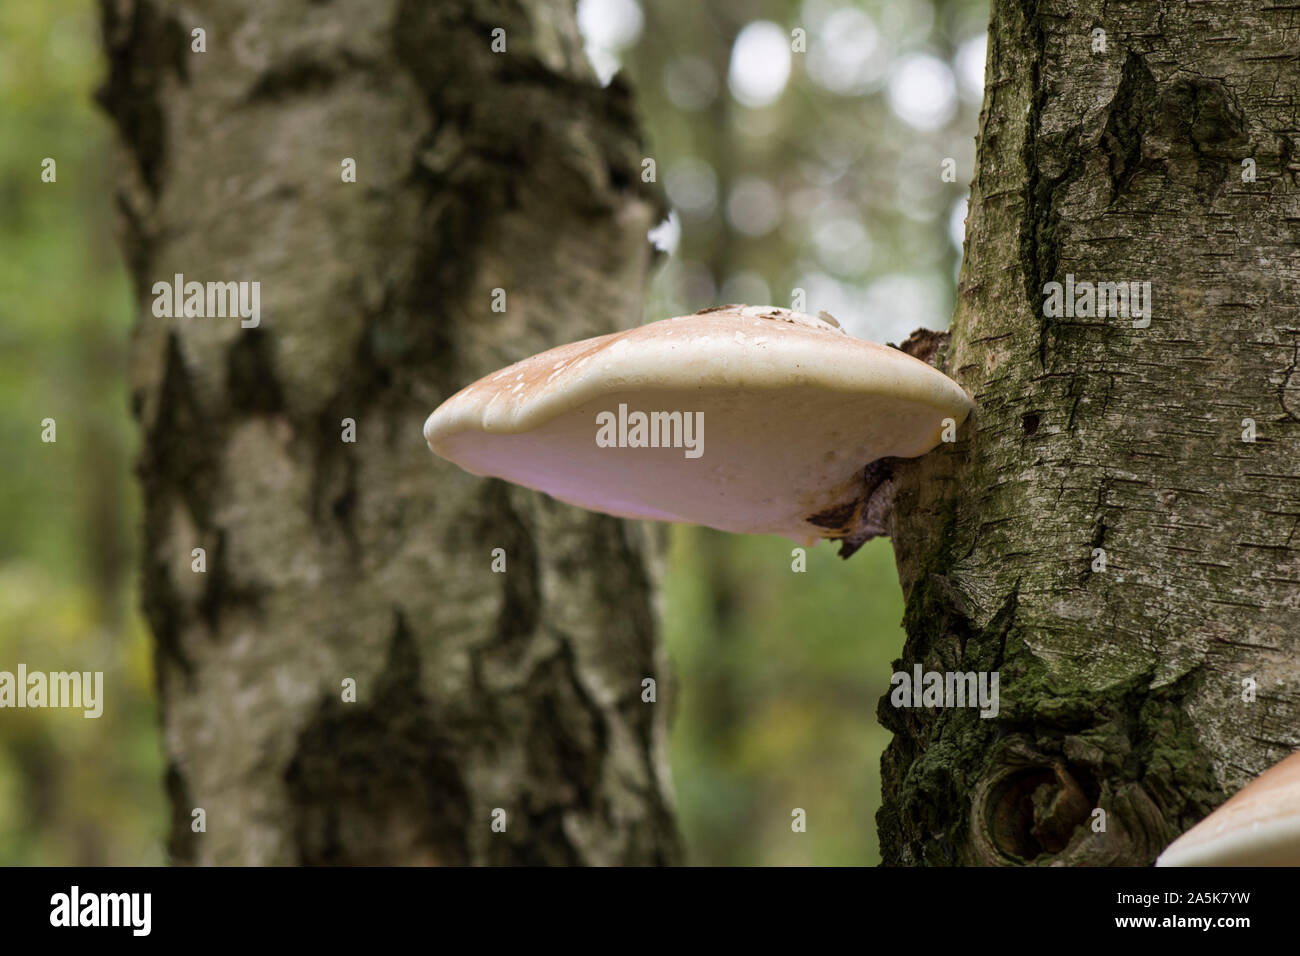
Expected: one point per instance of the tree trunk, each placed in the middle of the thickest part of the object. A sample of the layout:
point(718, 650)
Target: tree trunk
point(1125, 686)
point(370, 560)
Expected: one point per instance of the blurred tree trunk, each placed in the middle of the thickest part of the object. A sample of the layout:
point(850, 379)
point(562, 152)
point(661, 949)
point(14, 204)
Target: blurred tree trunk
point(1126, 689)
point(371, 560)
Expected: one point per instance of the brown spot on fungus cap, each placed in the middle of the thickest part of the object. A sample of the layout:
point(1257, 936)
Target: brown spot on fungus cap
point(788, 409)
point(1257, 826)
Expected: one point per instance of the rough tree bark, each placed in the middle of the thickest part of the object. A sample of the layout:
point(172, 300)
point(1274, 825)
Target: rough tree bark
point(371, 560)
point(1120, 689)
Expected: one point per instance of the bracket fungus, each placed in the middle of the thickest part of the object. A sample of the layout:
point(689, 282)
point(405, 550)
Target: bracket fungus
point(748, 419)
point(1257, 826)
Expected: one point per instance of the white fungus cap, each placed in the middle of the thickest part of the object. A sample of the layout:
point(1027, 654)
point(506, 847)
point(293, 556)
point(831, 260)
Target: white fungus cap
point(1258, 826)
point(779, 412)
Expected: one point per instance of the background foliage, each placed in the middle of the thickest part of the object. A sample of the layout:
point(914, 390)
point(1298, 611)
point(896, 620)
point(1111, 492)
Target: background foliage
point(817, 171)
point(72, 790)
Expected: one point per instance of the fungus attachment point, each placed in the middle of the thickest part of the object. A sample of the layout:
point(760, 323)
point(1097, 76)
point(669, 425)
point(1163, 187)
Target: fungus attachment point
point(1257, 826)
point(749, 419)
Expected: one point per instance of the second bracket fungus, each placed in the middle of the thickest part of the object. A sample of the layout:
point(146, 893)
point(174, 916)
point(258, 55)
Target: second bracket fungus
point(1257, 826)
point(748, 419)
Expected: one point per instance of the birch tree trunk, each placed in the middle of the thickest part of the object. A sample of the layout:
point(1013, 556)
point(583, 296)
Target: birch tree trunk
point(326, 559)
point(1154, 684)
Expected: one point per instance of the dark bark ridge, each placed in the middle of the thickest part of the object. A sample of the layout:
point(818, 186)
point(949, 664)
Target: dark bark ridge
point(1122, 683)
point(370, 560)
